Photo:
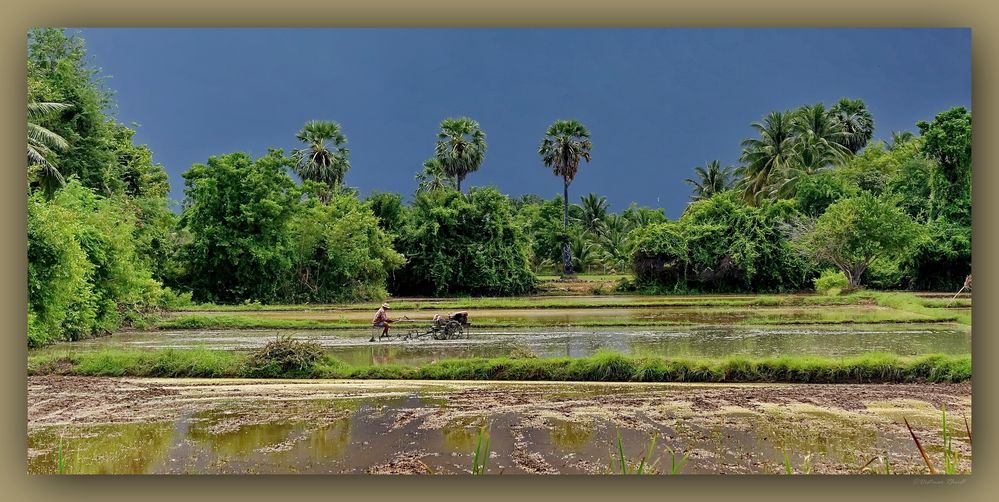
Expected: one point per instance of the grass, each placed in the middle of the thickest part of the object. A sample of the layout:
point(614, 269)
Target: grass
point(481, 460)
point(602, 367)
point(636, 467)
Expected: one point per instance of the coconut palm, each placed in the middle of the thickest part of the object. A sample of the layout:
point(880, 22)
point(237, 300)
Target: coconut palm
point(460, 148)
point(857, 122)
point(899, 138)
point(712, 180)
point(766, 158)
point(42, 142)
point(433, 178)
point(584, 254)
point(818, 143)
point(325, 158)
point(566, 142)
point(593, 209)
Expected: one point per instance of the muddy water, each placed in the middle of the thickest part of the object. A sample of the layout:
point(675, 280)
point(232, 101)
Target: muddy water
point(690, 341)
point(192, 426)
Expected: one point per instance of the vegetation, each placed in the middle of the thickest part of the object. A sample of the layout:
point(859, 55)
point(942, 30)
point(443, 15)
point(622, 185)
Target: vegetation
point(284, 356)
point(812, 190)
point(603, 367)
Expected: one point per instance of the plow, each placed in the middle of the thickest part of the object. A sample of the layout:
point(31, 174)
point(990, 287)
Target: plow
point(454, 326)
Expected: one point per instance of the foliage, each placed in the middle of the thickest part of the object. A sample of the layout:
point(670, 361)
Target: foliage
point(325, 158)
point(816, 192)
point(460, 148)
point(338, 252)
point(831, 282)
point(856, 231)
point(284, 356)
point(660, 255)
point(84, 276)
point(941, 259)
point(948, 142)
point(237, 211)
point(464, 244)
point(433, 178)
point(389, 210)
point(714, 179)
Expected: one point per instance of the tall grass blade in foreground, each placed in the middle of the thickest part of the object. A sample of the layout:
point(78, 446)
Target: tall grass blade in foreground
point(643, 467)
point(60, 460)
point(919, 445)
point(481, 460)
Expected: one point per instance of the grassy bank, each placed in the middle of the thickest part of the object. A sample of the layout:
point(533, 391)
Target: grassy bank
point(604, 367)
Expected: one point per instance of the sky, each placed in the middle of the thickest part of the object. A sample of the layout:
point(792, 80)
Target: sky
point(657, 102)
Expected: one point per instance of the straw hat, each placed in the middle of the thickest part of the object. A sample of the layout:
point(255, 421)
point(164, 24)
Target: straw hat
point(385, 306)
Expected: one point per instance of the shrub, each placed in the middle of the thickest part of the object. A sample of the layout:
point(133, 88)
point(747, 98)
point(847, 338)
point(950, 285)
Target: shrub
point(831, 282)
point(285, 356)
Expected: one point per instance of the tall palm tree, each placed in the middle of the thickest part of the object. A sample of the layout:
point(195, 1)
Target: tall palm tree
point(460, 148)
point(899, 138)
point(325, 158)
point(819, 138)
point(433, 178)
point(857, 122)
point(712, 180)
point(594, 210)
point(764, 159)
point(566, 142)
point(42, 142)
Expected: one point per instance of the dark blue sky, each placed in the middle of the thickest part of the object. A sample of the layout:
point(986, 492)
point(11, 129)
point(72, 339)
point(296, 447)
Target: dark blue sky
point(657, 101)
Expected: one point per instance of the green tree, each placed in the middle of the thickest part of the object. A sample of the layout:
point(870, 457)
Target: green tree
point(338, 251)
point(593, 209)
point(899, 138)
point(948, 142)
point(711, 180)
point(817, 192)
point(459, 243)
point(42, 143)
point(819, 138)
point(237, 211)
point(856, 121)
point(389, 210)
point(325, 158)
point(433, 178)
point(566, 142)
point(460, 148)
point(854, 232)
point(767, 158)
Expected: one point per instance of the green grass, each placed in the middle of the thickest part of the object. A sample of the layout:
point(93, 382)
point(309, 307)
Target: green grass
point(602, 367)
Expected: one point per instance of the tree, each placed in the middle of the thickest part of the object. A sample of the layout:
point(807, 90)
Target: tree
point(767, 157)
point(566, 142)
point(819, 138)
point(899, 138)
point(854, 232)
point(856, 121)
point(948, 142)
point(433, 178)
point(463, 244)
point(325, 158)
point(460, 148)
point(237, 211)
point(594, 210)
point(42, 142)
point(711, 180)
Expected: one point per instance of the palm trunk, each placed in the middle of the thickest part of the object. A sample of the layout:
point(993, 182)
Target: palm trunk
point(457, 180)
point(566, 252)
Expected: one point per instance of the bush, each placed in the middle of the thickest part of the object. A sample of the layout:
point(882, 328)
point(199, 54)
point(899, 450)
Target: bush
point(831, 282)
point(458, 244)
point(284, 356)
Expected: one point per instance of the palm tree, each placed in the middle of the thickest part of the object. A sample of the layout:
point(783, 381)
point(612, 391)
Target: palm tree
point(767, 157)
point(566, 142)
point(593, 210)
point(899, 138)
point(325, 158)
point(713, 180)
point(433, 178)
point(460, 148)
point(42, 142)
point(819, 138)
point(857, 122)
point(584, 253)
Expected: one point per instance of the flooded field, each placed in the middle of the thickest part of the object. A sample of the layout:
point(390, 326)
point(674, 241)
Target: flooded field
point(104, 425)
point(353, 346)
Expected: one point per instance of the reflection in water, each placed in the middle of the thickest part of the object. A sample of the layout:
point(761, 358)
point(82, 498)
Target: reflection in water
point(462, 434)
point(570, 435)
point(106, 449)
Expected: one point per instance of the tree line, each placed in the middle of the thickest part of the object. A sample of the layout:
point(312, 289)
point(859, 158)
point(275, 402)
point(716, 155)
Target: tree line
point(104, 246)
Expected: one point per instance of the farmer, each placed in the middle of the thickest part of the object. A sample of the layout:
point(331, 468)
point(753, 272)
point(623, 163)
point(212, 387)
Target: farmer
point(381, 321)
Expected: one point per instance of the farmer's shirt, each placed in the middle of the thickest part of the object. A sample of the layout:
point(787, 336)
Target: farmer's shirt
point(380, 316)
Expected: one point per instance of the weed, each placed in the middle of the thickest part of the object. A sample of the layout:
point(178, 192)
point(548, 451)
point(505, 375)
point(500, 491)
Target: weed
point(481, 460)
point(644, 466)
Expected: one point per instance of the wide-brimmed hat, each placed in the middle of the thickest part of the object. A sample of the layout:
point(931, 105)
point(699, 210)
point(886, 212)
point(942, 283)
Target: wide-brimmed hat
point(385, 306)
